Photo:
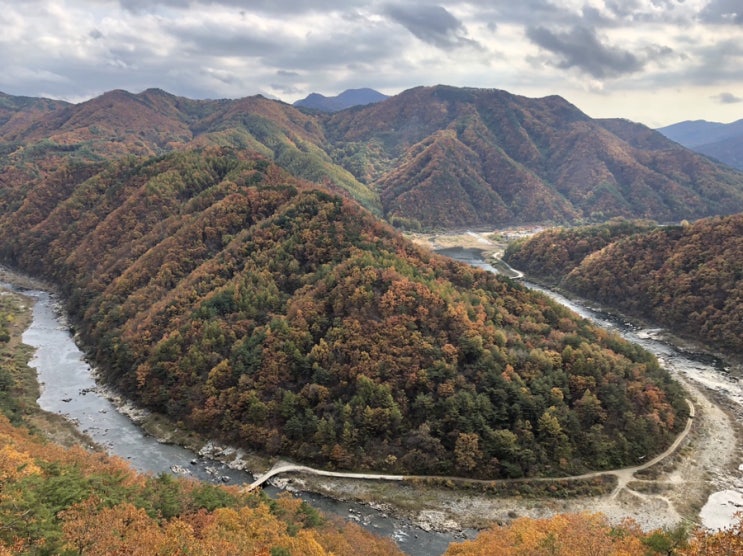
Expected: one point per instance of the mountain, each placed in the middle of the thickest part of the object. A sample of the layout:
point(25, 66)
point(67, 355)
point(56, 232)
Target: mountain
point(347, 99)
point(119, 123)
point(214, 287)
point(19, 112)
point(723, 142)
point(445, 157)
point(428, 158)
point(686, 278)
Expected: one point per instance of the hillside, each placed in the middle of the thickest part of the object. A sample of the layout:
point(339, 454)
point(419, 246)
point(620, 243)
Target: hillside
point(56, 500)
point(68, 501)
point(64, 501)
point(118, 124)
point(214, 287)
point(687, 278)
point(20, 112)
point(723, 142)
point(446, 157)
point(431, 157)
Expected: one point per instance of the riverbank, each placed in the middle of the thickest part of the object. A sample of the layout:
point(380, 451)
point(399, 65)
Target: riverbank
point(669, 493)
point(663, 497)
point(24, 388)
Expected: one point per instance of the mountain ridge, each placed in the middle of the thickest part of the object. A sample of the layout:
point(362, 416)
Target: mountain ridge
point(212, 286)
point(685, 277)
point(723, 142)
point(544, 147)
point(528, 160)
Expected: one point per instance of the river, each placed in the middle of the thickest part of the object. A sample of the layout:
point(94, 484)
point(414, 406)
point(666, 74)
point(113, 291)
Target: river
point(68, 387)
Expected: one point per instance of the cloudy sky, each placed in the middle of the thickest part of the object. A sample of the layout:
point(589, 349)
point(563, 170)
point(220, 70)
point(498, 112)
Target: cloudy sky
point(652, 61)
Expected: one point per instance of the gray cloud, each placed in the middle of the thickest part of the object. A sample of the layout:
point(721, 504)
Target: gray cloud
point(362, 48)
point(727, 98)
point(723, 11)
point(74, 49)
point(522, 11)
point(259, 6)
point(212, 39)
point(720, 62)
point(596, 18)
point(431, 24)
point(581, 48)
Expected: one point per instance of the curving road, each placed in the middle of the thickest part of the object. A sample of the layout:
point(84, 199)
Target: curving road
point(623, 475)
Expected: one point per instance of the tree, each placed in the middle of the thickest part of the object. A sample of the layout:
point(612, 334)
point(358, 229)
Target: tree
point(467, 451)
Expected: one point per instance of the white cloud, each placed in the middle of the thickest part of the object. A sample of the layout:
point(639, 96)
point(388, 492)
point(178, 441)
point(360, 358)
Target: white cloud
point(589, 51)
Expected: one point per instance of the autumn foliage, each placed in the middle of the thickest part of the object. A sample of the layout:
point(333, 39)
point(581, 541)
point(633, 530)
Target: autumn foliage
point(431, 157)
point(212, 287)
point(68, 501)
point(686, 277)
point(588, 534)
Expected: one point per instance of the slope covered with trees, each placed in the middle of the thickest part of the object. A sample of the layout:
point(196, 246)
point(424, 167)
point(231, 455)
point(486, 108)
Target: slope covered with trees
point(118, 123)
point(431, 157)
point(55, 500)
point(215, 288)
point(68, 501)
point(592, 534)
point(487, 157)
point(688, 278)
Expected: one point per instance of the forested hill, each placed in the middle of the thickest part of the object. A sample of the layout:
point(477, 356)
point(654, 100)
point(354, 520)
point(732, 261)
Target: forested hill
point(212, 286)
point(688, 278)
point(449, 157)
point(431, 157)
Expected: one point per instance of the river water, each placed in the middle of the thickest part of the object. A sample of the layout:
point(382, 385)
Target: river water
point(68, 388)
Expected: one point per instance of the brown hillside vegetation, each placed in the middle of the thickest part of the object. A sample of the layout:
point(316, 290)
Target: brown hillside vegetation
point(118, 123)
point(688, 278)
point(591, 535)
point(214, 288)
point(68, 501)
point(431, 157)
point(539, 159)
point(20, 112)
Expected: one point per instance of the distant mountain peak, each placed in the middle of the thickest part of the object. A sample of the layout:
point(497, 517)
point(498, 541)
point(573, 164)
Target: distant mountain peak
point(723, 142)
point(347, 99)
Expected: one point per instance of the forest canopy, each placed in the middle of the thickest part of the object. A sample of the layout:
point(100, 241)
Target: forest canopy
point(68, 501)
point(215, 288)
point(687, 277)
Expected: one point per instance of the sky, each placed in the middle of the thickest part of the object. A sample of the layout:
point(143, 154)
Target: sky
point(656, 62)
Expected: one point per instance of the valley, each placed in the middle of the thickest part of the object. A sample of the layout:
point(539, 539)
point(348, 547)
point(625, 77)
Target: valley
point(237, 271)
point(674, 490)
